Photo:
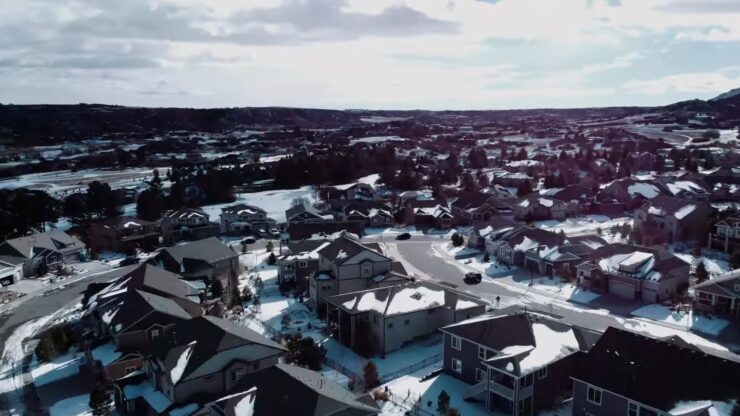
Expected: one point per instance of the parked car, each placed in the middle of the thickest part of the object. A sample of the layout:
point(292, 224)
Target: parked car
point(403, 236)
point(472, 278)
point(249, 240)
point(128, 261)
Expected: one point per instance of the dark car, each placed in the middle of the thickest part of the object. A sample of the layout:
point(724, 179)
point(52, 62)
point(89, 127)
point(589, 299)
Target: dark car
point(472, 278)
point(403, 236)
point(128, 261)
point(249, 240)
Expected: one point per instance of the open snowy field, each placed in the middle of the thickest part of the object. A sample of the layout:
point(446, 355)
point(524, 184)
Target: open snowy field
point(65, 181)
point(274, 202)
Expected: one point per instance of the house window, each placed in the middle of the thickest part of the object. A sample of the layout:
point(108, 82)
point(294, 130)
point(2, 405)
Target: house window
point(155, 333)
point(455, 342)
point(129, 370)
point(375, 319)
point(237, 374)
point(480, 375)
point(633, 409)
point(390, 325)
point(542, 373)
point(593, 395)
point(456, 365)
point(255, 366)
point(482, 352)
point(406, 322)
point(302, 264)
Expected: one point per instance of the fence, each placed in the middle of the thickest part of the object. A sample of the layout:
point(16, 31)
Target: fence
point(412, 406)
point(384, 378)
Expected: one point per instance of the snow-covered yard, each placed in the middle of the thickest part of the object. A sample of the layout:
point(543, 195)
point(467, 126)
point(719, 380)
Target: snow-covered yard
point(274, 202)
point(714, 261)
point(589, 224)
point(687, 320)
point(560, 289)
point(61, 367)
point(409, 391)
point(73, 406)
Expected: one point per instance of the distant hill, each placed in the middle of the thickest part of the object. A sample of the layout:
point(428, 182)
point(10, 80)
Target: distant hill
point(729, 94)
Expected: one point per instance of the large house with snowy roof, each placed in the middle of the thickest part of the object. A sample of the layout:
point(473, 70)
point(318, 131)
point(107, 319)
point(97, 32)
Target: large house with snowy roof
point(48, 249)
point(347, 265)
point(495, 226)
point(720, 295)
point(368, 213)
point(629, 192)
point(510, 246)
point(666, 219)
point(626, 373)
point(304, 212)
point(239, 219)
point(382, 320)
point(204, 356)
point(540, 208)
point(123, 235)
point(517, 363)
point(299, 261)
point(477, 208)
point(427, 213)
point(187, 224)
point(650, 274)
point(726, 235)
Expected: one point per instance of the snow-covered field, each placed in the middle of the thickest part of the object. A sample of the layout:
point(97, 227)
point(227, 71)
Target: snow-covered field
point(274, 202)
point(73, 406)
point(699, 323)
point(64, 181)
point(589, 224)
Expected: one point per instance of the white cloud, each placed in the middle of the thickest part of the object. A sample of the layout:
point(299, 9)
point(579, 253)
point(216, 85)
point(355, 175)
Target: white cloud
point(697, 82)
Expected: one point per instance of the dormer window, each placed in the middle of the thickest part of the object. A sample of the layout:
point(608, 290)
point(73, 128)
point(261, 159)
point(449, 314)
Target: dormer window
point(303, 264)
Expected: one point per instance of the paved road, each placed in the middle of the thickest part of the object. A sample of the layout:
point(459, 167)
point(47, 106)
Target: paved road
point(598, 316)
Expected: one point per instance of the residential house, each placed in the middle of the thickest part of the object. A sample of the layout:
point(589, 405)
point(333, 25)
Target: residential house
point(650, 274)
point(517, 363)
point(427, 214)
point(187, 224)
point(726, 234)
point(561, 259)
point(666, 219)
point(347, 265)
point(42, 251)
point(643, 160)
point(631, 374)
point(205, 356)
point(630, 193)
point(725, 174)
point(540, 208)
point(240, 219)
point(510, 179)
point(510, 247)
point(300, 261)
point(144, 277)
point(11, 270)
point(477, 208)
point(725, 192)
point(123, 235)
point(303, 213)
point(720, 295)
point(495, 226)
point(263, 393)
point(686, 189)
point(203, 260)
point(321, 230)
point(134, 320)
point(369, 213)
point(382, 320)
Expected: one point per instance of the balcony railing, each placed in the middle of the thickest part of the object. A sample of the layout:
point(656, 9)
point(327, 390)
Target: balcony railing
point(501, 390)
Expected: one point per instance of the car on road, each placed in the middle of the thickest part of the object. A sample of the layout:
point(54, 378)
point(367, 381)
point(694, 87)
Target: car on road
point(473, 278)
point(403, 236)
point(128, 261)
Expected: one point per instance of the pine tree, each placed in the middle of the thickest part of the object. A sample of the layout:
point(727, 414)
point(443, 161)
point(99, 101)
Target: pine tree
point(701, 272)
point(370, 375)
point(271, 259)
point(443, 401)
point(100, 403)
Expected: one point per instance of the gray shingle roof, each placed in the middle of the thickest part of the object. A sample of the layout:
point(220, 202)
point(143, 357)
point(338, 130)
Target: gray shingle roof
point(57, 241)
point(210, 250)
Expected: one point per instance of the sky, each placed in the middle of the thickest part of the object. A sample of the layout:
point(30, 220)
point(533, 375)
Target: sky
point(368, 54)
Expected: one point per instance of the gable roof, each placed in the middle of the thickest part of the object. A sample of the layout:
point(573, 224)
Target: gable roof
point(184, 213)
point(307, 230)
point(724, 284)
point(471, 200)
point(300, 209)
point(210, 250)
point(290, 390)
point(678, 208)
point(658, 373)
point(207, 344)
point(33, 245)
point(404, 298)
point(242, 209)
point(145, 277)
point(133, 305)
point(344, 248)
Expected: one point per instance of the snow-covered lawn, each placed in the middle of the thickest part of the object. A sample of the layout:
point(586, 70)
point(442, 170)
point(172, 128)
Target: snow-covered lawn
point(715, 262)
point(556, 287)
point(450, 250)
point(61, 367)
point(73, 406)
point(410, 390)
point(274, 202)
point(586, 225)
point(426, 349)
point(696, 322)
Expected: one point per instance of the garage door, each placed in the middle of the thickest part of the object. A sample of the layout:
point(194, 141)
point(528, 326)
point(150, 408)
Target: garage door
point(624, 290)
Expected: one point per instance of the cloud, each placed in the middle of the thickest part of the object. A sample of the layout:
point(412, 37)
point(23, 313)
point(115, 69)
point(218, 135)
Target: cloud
point(702, 83)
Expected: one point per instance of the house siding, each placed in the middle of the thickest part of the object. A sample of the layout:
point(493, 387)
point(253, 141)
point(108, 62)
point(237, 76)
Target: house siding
point(611, 404)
